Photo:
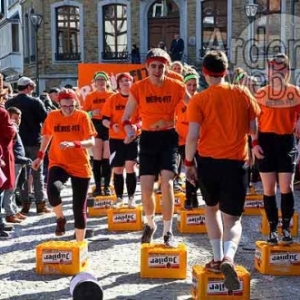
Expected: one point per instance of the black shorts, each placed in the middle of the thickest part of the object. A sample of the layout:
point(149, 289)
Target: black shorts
point(122, 152)
point(158, 151)
point(223, 182)
point(280, 153)
point(102, 131)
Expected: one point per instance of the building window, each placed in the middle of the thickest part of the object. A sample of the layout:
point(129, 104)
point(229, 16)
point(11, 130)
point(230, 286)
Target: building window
point(214, 20)
point(267, 28)
point(115, 43)
point(15, 37)
point(163, 9)
point(67, 33)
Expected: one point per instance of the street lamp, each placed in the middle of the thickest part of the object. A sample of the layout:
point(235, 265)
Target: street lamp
point(36, 21)
point(251, 11)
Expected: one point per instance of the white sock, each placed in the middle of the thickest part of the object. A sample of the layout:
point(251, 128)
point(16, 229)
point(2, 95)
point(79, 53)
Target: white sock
point(230, 249)
point(217, 246)
point(167, 227)
point(150, 220)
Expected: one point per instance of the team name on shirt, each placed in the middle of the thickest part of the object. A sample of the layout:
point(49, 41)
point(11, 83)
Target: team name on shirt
point(96, 101)
point(67, 128)
point(158, 99)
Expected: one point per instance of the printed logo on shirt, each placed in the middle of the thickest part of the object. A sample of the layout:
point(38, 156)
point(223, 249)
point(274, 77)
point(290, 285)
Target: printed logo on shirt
point(97, 101)
point(120, 107)
point(158, 99)
point(67, 128)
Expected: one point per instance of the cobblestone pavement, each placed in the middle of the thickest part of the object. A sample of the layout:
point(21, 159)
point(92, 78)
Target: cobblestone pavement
point(115, 262)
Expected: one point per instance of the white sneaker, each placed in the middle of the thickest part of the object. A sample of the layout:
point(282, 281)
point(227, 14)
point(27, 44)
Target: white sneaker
point(131, 202)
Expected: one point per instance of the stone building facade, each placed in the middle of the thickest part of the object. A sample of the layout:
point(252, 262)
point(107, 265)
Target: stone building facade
point(103, 31)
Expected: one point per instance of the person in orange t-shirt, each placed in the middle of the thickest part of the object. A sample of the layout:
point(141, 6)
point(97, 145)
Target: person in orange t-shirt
point(71, 132)
point(220, 118)
point(275, 144)
point(156, 97)
point(191, 81)
point(124, 155)
point(93, 103)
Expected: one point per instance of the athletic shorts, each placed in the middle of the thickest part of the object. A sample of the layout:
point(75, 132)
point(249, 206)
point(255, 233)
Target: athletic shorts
point(158, 151)
point(280, 153)
point(120, 152)
point(223, 182)
point(102, 131)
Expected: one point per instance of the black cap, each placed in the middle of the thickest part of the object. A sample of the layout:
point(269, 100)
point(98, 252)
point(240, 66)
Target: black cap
point(54, 90)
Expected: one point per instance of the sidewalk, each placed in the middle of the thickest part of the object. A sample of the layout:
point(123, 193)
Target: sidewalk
point(115, 262)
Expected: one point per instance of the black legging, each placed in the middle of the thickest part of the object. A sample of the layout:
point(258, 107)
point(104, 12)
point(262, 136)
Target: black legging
point(57, 176)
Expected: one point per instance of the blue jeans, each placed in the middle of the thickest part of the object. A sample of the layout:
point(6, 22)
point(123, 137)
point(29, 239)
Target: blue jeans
point(38, 178)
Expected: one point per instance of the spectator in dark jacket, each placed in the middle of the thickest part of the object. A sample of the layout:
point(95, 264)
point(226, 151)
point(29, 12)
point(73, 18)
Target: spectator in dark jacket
point(177, 48)
point(33, 115)
point(9, 199)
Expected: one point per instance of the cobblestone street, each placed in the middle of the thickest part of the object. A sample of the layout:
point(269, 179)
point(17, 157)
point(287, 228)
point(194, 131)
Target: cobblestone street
point(116, 262)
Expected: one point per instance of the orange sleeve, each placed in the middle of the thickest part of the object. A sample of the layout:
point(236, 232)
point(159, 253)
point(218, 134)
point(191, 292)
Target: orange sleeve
point(87, 103)
point(194, 113)
point(107, 107)
point(47, 128)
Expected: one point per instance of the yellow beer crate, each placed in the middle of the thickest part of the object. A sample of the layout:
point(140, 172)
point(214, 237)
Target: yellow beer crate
point(207, 285)
point(191, 221)
point(125, 219)
point(99, 206)
point(59, 257)
point(159, 261)
point(277, 260)
point(265, 228)
point(253, 204)
point(178, 202)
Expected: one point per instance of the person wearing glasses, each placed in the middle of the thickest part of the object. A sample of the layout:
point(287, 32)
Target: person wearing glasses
point(275, 144)
point(93, 103)
point(71, 133)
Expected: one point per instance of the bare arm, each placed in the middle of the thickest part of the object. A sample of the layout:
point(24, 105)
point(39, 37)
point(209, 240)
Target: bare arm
point(128, 112)
point(187, 97)
point(253, 128)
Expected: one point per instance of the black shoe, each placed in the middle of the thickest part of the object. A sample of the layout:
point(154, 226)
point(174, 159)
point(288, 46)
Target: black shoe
point(107, 191)
point(148, 234)
point(169, 240)
point(176, 187)
point(97, 192)
point(195, 203)
point(4, 235)
point(273, 238)
point(60, 226)
point(188, 204)
point(286, 237)
point(6, 227)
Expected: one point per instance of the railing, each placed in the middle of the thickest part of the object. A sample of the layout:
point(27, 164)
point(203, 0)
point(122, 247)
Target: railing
point(67, 56)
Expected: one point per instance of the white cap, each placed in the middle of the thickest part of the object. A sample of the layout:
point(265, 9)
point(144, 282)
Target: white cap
point(23, 81)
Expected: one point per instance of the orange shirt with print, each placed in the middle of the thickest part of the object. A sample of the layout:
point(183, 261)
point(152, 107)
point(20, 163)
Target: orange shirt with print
point(224, 112)
point(95, 100)
point(182, 125)
point(157, 104)
point(114, 109)
point(175, 75)
point(76, 127)
point(278, 109)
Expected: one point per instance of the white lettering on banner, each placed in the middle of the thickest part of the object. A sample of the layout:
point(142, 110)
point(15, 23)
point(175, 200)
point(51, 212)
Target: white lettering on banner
point(56, 257)
point(254, 204)
point(163, 261)
point(195, 220)
point(103, 203)
point(284, 258)
point(124, 218)
point(217, 287)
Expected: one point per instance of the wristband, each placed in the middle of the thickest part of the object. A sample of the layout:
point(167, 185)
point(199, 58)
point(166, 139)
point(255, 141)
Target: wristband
point(40, 155)
point(126, 122)
point(189, 163)
point(255, 143)
point(77, 144)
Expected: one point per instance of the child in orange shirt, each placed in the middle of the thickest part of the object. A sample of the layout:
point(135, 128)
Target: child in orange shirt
point(71, 132)
point(156, 97)
point(191, 81)
point(220, 118)
point(93, 103)
point(124, 155)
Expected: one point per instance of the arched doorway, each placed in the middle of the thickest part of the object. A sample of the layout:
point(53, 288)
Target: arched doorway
point(163, 22)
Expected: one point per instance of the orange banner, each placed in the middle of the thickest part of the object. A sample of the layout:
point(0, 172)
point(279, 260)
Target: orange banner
point(87, 71)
